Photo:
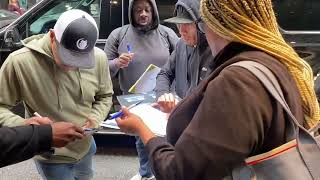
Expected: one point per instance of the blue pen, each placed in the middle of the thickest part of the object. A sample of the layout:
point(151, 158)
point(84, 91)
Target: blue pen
point(120, 113)
point(129, 48)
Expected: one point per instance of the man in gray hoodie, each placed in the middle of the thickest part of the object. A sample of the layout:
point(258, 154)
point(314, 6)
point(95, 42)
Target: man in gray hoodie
point(188, 64)
point(133, 47)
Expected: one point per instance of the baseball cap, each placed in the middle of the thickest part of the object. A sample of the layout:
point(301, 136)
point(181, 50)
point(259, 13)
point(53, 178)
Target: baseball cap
point(76, 35)
point(181, 17)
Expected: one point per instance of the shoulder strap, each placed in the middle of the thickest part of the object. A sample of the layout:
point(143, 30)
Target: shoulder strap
point(308, 147)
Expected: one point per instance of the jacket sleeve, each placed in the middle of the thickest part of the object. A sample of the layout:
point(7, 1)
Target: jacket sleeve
point(10, 94)
point(21, 143)
point(221, 134)
point(103, 98)
point(111, 49)
point(166, 76)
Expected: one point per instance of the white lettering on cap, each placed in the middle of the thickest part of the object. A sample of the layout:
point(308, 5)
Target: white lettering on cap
point(82, 44)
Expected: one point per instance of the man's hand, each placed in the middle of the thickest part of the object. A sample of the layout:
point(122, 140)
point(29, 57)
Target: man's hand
point(64, 133)
point(167, 102)
point(124, 60)
point(38, 121)
point(90, 123)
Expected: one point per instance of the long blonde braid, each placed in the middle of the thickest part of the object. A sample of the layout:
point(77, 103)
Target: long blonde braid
point(253, 22)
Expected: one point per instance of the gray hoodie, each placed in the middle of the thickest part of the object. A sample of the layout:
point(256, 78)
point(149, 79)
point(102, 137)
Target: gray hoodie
point(187, 65)
point(151, 46)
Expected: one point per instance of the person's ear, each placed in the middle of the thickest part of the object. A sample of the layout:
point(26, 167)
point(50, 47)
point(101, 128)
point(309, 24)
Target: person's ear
point(52, 35)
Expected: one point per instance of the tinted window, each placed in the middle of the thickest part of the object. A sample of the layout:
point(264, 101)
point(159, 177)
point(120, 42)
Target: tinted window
point(111, 16)
point(298, 14)
point(166, 8)
point(46, 20)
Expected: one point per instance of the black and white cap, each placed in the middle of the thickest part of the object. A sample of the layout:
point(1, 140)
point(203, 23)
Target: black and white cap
point(76, 35)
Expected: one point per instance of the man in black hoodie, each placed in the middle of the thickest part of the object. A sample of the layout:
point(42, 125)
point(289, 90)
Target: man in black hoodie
point(188, 64)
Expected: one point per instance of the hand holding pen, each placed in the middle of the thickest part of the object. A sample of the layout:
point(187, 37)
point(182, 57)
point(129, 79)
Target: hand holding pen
point(125, 58)
point(120, 113)
point(63, 132)
point(38, 120)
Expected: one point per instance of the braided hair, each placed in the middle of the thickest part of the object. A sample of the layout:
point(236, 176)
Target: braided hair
point(253, 22)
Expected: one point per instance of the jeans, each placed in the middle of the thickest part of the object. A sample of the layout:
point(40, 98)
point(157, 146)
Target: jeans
point(82, 170)
point(144, 169)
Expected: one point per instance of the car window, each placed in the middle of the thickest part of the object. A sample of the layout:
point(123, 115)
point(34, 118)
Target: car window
point(298, 15)
point(165, 9)
point(45, 21)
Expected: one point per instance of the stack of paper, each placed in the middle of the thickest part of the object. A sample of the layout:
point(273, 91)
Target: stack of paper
point(153, 118)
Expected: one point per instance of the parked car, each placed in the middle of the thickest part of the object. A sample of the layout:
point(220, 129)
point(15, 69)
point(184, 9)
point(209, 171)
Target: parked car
point(7, 17)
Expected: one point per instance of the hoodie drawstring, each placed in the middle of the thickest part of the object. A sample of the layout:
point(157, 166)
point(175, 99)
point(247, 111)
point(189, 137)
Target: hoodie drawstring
point(80, 84)
point(56, 81)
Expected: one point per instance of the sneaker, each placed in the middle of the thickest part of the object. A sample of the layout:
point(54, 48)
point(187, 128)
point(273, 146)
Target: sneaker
point(139, 177)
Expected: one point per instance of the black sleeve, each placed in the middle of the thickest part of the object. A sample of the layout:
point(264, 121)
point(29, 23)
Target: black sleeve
point(21, 143)
point(166, 76)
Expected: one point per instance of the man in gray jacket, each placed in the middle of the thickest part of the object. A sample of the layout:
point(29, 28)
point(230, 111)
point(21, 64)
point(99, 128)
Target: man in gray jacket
point(132, 48)
point(188, 64)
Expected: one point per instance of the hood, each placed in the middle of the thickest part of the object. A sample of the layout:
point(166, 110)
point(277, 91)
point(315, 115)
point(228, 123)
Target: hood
point(39, 43)
point(192, 7)
point(155, 14)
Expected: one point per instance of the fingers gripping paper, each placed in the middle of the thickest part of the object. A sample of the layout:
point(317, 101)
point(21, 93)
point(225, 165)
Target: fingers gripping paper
point(153, 118)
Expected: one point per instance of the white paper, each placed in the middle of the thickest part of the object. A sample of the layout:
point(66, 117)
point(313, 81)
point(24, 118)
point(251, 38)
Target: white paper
point(147, 81)
point(153, 118)
point(110, 123)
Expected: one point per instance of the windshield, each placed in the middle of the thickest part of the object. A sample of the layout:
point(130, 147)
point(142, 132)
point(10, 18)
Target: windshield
point(6, 17)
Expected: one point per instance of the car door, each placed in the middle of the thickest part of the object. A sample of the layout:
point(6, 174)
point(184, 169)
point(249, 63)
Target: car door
point(299, 22)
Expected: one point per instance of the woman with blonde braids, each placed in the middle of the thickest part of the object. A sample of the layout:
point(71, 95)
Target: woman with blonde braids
point(231, 116)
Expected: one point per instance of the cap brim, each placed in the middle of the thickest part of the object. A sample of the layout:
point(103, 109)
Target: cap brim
point(178, 20)
point(77, 60)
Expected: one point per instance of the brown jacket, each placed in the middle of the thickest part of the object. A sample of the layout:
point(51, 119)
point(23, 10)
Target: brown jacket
point(229, 117)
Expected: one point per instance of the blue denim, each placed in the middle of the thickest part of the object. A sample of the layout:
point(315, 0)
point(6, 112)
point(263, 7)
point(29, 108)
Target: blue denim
point(144, 169)
point(82, 170)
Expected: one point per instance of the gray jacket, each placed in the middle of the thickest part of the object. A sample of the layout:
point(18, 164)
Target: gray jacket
point(152, 46)
point(187, 65)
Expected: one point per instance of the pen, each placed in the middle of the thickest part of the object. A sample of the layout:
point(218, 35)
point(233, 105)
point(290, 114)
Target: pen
point(120, 113)
point(129, 48)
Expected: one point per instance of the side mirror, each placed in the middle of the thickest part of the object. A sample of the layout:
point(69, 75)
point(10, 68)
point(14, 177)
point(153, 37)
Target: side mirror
point(12, 39)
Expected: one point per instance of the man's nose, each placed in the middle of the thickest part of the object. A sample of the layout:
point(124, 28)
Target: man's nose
point(144, 13)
